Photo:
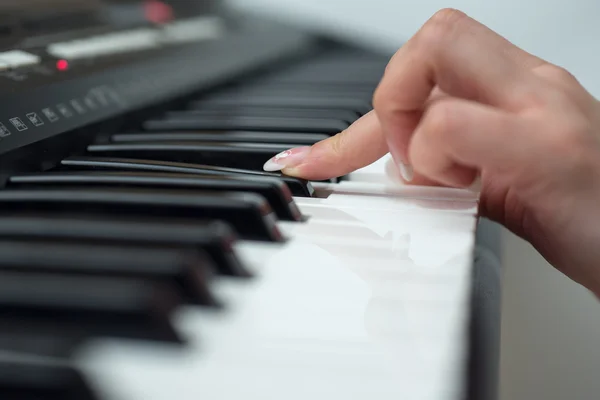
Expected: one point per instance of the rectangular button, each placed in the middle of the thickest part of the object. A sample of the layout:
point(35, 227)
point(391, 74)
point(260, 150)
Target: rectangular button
point(18, 58)
point(102, 45)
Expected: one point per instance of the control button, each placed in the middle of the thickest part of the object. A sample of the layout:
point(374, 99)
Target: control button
point(35, 120)
point(19, 124)
point(64, 110)
point(193, 29)
point(51, 115)
point(78, 107)
point(103, 45)
point(100, 96)
point(18, 58)
point(89, 101)
point(4, 132)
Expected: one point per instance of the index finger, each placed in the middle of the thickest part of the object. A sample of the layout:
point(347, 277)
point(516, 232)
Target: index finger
point(464, 59)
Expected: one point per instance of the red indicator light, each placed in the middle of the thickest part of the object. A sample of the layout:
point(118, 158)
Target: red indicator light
point(158, 12)
point(62, 65)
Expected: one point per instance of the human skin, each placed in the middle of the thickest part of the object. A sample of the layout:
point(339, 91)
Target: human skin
point(458, 101)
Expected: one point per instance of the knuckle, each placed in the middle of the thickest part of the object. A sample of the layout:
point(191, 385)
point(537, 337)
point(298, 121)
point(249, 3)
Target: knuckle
point(447, 15)
point(442, 24)
point(559, 74)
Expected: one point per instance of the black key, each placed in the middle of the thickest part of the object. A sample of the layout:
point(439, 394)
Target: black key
point(333, 71)
point(48, 341)
point(274, 191)
point(298, 187)
point(306, 139)
point(342, 103)
point(215, 237)
point(25, 378)
point(100, 306)
point(233, 155)
point(209, 111)
point(309, 125)
point(336, 75)
point(300, 90)
point(273, 83)
point(363, 90)
point(248, 213)
point(185, 270)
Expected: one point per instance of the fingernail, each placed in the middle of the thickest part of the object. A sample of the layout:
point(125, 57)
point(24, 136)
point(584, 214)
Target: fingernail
point(406, 171)
point(398, 172)
point(287, 159)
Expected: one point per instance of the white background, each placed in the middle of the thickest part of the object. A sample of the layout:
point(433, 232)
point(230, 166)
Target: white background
point(551, 327)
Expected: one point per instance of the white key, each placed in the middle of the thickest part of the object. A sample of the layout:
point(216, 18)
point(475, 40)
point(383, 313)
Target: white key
point(359, 303)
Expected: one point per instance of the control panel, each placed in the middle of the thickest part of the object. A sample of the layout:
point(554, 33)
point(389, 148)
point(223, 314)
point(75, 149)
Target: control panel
point(70, 84)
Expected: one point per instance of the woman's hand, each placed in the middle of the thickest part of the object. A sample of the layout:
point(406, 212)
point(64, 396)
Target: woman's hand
point(458, 101)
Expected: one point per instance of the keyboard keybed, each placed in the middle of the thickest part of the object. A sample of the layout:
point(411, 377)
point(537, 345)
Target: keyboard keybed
point(143, 239)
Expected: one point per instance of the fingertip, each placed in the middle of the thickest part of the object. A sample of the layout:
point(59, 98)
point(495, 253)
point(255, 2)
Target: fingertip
point(395, 175)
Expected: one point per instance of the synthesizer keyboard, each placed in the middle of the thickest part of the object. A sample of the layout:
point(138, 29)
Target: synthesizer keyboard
point(144, 254)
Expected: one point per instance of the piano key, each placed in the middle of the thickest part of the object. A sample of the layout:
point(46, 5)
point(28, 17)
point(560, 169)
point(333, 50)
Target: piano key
point(280, 330)
point(342, 103)
point(249, 214)
point(302, 90)
point(50, 341)
point(310, 125)
point(334, 75)
point(187, 271)
point(337, 70)
point(273, 190)
point(298, 139)
point(342, 115)
point(271, 82)
point(215, 237)
point(233, 155)
point(101, 306)
point(25, 378)
point(298, 187)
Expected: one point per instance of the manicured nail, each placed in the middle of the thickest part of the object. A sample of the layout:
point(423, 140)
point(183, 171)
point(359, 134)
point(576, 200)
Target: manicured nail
point(406, 171)
point(287, 159)
point(398, 172)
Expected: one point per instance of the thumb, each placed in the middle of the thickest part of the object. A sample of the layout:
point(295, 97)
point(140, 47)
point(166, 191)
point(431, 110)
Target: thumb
point(358, 146)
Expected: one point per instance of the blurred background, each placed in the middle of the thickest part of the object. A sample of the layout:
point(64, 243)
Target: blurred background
point(550, 326)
